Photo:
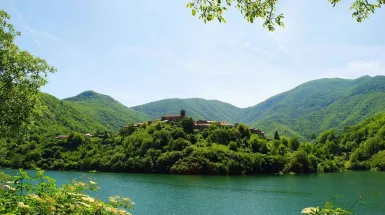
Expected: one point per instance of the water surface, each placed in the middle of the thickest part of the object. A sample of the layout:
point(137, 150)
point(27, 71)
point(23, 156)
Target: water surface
point(262, 194)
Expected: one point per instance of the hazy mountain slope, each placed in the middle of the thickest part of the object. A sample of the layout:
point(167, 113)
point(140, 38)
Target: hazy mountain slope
point(105, 110)
point(196, 108)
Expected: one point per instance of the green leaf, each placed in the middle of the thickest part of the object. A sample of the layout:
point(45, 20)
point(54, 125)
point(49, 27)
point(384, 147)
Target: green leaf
point(194, 12)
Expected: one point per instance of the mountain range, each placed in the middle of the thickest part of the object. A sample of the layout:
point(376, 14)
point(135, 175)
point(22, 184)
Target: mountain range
point(309, 108)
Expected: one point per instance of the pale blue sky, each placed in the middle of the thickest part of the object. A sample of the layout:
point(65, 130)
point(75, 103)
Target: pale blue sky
point(141, 51)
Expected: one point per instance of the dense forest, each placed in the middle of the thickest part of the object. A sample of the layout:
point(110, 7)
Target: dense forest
point(180, 149)
point(87, 112)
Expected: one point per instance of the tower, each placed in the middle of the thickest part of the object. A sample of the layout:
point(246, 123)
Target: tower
point(183, 113)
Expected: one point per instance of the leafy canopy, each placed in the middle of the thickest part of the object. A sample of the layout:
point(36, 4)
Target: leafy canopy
point(265, 10)
point(21, 76)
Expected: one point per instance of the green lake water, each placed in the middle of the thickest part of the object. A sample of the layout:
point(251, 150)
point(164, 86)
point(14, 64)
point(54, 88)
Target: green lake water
point(262, 194)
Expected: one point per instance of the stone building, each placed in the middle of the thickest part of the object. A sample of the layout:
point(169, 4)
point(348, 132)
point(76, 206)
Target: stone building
point(258, 132)
point(174, 118)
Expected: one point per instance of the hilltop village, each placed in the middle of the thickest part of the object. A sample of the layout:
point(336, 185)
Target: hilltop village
point(200, 124)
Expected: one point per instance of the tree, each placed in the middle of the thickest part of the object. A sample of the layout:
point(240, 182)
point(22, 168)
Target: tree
point(187, 124)
point(284, 141)
point(299, 163)
point(233, 146)
point(244, 131)
point(294, 143)
point(75, 139)
point(179, 144)
point(21, 76)
point(126, 131)
point(257, 144)
point(276, 136)
point(313, 136)
point(252, 10)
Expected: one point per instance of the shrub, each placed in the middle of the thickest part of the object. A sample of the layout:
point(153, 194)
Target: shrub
point(233, 146)
point(299, 163)
point(25, 194)
point(378, 161)
point(327, 209)
point(327, 166)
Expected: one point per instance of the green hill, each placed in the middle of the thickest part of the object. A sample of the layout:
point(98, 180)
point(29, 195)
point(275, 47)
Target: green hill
point(105, 110)
point(60, 117)
point(196, 108)
point(87, 112)
point(319, 105)
point(309, 108)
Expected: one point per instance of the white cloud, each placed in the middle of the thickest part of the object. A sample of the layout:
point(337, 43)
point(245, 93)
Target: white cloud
point(364, 65)
point(356, 69)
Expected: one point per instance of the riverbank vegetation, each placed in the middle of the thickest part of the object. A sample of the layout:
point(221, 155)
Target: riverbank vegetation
point(179, 149)
point(39, 194)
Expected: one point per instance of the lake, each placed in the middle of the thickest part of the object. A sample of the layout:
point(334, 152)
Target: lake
point(262, 194)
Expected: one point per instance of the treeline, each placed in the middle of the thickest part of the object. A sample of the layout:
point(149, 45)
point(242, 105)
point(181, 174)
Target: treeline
point(180, 149)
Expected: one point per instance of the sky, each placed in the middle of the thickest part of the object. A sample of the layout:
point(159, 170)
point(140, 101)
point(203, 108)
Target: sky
point(143, 51)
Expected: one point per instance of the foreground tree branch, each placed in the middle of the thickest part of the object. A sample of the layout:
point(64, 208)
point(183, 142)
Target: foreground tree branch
point(265, 10)
point(21, 76)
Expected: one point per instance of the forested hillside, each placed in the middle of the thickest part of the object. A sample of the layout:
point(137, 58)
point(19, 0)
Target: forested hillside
point(60, 117)
point(319, 105)
point(105, 110)
point(88, 112)
point(304, 111)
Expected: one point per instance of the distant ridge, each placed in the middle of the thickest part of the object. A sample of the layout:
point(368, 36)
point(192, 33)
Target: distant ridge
point(309, 108)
